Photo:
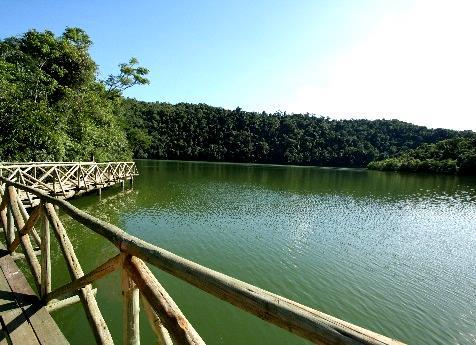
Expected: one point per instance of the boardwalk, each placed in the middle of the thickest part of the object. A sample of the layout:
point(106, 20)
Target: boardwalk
point(24, 319)
point(66, 179)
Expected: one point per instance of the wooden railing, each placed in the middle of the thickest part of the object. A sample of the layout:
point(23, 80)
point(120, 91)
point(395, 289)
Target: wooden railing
point(138, 282)
point(66, 179)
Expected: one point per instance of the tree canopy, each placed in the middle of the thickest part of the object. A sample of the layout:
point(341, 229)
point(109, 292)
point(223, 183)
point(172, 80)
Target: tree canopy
point(51, 105)
point(201, 132)
point(452, 156)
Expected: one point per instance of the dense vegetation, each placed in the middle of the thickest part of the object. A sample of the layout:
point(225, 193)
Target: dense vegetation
point(53, 107)
point(201, 132)
point(452, 156)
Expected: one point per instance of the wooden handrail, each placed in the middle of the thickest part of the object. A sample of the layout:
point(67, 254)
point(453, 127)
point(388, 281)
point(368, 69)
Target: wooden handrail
point(50, 164)
point(66, 179)
point(180, 329)
point(304, 321)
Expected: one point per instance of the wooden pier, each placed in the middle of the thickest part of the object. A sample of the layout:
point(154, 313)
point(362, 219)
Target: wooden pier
point(24, 318)
point(138, 282)
point(66, 179)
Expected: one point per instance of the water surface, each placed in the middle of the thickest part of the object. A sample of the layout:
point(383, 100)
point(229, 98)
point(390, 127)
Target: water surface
point(391, 252)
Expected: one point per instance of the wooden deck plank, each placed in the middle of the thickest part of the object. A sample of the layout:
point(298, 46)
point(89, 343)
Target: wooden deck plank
point(44, 328)
point(5, 304)
point(16, 325)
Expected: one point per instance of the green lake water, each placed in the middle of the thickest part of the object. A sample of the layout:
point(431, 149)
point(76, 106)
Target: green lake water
point(391, 252)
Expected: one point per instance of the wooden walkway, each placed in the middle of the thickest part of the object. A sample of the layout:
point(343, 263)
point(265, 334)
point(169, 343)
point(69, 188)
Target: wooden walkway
point(23, 317)
point(26, 320)
point(66, 179)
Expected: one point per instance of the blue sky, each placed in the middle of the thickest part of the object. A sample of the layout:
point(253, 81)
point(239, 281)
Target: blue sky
point(411, 60)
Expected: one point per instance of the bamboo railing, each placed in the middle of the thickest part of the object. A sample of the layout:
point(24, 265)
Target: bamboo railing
point(66, 179)
point(139, 283)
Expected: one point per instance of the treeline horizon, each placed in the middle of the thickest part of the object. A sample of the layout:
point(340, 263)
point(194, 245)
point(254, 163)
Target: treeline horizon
point(185, 131)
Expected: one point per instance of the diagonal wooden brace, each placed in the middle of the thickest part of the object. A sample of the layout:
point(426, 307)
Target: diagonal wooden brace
point(30, 223)
point(99, 272)
point(30, 256)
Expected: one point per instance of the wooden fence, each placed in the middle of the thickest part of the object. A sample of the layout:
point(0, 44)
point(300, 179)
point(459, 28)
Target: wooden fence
point(66, 179)
point(138, 282)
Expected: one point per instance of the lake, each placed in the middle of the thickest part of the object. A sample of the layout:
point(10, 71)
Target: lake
point(391, 252)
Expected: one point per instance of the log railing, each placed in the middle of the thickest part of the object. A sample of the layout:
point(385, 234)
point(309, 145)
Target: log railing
point(65, 179)
point(139, 283)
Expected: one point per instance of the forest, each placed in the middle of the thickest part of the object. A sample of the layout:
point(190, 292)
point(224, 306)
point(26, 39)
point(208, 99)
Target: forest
point(201, 132)
point(53, 107)
point(452, 156)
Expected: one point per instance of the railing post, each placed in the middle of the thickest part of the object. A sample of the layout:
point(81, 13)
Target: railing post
point(10, 231)
point(3, 213)
point(163, 336)
point(45, 257)
point(54, 184)
point(130, 310)
point(100, 330)
point(79, 175)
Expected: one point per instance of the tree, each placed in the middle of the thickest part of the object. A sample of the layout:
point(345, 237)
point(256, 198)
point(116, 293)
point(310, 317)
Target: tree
point(51, 105)
point(130, 74)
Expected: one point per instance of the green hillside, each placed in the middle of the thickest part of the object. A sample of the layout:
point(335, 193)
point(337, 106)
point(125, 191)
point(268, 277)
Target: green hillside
point(452, 156)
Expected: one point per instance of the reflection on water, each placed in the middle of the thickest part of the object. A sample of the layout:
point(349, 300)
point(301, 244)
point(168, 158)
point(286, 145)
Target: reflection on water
point(387, 251)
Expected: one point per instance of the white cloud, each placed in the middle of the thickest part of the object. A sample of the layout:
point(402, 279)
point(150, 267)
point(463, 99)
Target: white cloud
point(419, 66)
